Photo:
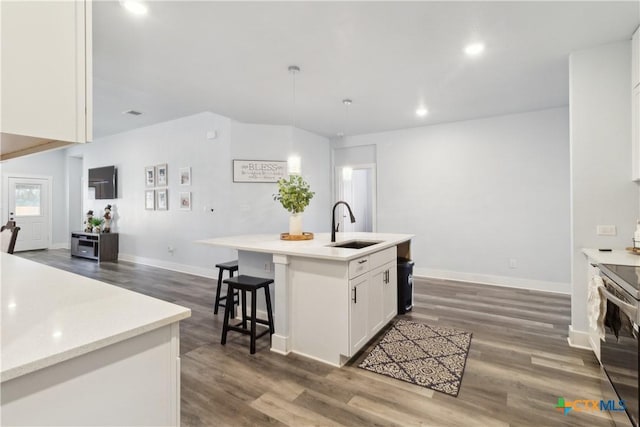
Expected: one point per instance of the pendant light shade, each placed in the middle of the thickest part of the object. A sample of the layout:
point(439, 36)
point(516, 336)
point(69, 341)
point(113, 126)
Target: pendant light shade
point(294, 162)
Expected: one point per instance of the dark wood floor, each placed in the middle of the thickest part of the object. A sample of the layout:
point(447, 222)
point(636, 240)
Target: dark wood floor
point(519, 362)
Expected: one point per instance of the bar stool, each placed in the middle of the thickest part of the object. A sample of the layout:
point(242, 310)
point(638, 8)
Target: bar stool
point(246, 284)
point(231, 267)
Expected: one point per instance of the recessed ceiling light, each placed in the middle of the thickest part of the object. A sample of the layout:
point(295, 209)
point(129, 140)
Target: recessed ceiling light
point(135, 7)
point(474, 49)
point(421, 112)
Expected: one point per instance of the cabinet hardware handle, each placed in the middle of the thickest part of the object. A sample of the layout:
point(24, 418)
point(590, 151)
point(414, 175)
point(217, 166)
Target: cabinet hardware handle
point(355, 295)
point(362, 261)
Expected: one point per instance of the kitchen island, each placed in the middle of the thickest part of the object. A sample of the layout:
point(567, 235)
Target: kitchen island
point(328, 301)
point(76, 351)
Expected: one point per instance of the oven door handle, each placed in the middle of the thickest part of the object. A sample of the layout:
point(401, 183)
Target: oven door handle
point(628, 309)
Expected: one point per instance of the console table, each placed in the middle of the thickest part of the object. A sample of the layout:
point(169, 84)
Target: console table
point(97, 246)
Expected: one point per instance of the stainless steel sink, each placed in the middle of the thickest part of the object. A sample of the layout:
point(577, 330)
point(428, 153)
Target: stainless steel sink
point(355, 244)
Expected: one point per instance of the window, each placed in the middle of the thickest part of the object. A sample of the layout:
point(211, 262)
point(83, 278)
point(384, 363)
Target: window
point(28, 199)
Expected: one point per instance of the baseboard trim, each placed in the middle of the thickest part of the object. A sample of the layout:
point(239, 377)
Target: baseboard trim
point(280, 344)
point(172, 266)
point(579, 339)
point(60, 246)
point(504, 281)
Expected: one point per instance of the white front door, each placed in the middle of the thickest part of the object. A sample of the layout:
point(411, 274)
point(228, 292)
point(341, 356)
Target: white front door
point(28, 206)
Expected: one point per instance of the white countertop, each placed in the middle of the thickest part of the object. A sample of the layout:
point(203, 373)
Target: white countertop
point(50, 315)
point(316, 248)
point(616, 256)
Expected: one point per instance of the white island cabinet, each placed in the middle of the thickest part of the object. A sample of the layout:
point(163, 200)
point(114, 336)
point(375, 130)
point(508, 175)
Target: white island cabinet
point(329, 301)
point(78, 352)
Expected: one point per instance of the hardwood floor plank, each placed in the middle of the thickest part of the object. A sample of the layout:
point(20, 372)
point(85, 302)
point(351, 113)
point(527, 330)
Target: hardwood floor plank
point(289, 413)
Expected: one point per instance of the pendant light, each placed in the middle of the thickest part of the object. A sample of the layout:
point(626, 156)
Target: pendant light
point(347, 171)
point(294, 163)
point(346, 102)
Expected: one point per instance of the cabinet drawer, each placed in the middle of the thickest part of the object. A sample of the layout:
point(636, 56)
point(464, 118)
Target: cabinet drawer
point(358, 266)
point(382, 257)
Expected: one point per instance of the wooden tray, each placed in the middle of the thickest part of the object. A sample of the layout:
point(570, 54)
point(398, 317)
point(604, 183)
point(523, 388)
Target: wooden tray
point(304, 236)
point(634, 250)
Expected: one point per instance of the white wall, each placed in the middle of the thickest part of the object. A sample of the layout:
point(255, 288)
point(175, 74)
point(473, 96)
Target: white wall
point(50, 163)
point(479, 193)
point(238, 207)
point(602, 191)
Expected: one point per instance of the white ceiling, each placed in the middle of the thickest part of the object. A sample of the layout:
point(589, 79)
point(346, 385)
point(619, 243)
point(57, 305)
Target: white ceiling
point(231, 58)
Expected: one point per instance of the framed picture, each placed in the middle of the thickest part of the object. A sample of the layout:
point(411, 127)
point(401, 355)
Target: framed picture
point(162, 200)
point(161, 175)
point(185, 176)
point(259, 170)
point(150, 200)
point(185, 200)
point(150, 176)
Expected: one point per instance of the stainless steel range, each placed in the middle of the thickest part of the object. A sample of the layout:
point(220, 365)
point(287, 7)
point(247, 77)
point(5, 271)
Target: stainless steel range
point(619, 352)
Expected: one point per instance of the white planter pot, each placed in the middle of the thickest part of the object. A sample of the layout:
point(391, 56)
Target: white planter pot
point(295, 224)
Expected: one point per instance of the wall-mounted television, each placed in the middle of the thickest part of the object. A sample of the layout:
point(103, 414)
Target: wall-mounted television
point(103, 182)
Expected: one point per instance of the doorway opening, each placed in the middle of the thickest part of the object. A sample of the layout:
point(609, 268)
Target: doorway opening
point(356, 185)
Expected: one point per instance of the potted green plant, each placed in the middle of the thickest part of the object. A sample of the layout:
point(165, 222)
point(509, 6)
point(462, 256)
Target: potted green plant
point(294, 194)
point(96, 223)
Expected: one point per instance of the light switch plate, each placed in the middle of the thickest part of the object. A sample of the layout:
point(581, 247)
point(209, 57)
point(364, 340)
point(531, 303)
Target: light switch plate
point(606, 230)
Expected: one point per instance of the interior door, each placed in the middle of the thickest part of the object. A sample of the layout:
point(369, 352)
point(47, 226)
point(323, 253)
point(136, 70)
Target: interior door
point(28, 205)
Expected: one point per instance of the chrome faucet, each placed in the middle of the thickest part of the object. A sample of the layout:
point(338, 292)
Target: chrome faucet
point(333, 219)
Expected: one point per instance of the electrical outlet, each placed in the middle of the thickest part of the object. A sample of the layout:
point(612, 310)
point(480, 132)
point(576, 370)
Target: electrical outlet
point(267, 267)
point(513, 263)
point(170, 249)
point(606, 230)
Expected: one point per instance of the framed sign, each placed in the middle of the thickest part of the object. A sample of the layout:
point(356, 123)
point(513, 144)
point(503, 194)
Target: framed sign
point(259, 170)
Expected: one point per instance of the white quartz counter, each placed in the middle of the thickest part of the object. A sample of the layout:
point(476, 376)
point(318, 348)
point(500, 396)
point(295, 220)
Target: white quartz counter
point(50, 315)
point(316, 248)
point(616, 256)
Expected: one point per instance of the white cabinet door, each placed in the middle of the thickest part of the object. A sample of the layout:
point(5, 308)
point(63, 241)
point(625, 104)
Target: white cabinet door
point(376, 296)
point(635, 134)
point(635, 59)
point(358, 311)
point(390, 292)
point(46, 69)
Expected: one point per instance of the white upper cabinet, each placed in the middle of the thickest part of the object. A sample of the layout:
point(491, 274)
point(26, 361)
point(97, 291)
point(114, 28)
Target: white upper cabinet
point(635, 134)
point(635, 106)
point(46, 74)
point(635, 55)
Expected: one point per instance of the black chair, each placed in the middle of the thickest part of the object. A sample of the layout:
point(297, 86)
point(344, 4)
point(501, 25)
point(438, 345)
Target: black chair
point(11, 236)
point(246, 284)
point(231, 267)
